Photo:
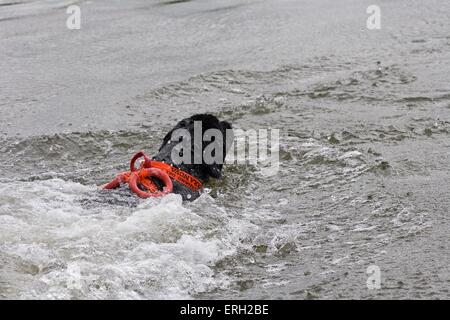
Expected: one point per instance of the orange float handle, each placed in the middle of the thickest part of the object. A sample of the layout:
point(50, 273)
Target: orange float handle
point(118, 180)
point(138, 155)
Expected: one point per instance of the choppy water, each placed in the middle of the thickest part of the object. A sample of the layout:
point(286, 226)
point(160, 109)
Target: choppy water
point(364, 150)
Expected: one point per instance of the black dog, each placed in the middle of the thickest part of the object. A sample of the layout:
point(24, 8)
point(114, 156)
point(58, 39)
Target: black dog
point(200, 170)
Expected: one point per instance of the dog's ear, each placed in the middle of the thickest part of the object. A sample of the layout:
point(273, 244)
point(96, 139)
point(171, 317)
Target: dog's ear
point(215, 170)
point(228, 136)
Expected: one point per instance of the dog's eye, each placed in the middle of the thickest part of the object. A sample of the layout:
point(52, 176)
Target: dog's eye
point(180, 153)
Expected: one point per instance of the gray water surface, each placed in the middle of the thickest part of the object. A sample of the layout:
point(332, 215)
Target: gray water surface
point(364, 148)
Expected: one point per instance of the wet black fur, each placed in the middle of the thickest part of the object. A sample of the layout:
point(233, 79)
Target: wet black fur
point(201, 171)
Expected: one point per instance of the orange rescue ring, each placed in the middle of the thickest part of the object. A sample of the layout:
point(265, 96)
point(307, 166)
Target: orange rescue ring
point(147, 173)
point(157, 169)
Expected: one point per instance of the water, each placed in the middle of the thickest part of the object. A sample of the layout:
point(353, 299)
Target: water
point(364, 149)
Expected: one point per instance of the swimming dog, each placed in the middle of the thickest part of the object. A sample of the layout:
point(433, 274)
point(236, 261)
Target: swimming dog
point(197, 146)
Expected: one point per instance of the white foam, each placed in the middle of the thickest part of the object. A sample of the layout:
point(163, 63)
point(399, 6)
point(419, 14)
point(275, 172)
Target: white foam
point(57, 247)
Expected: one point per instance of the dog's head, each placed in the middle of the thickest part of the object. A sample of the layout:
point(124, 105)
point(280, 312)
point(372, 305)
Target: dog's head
point(198, 145)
